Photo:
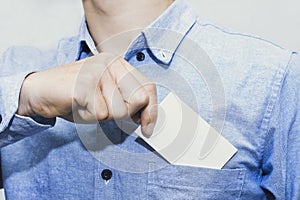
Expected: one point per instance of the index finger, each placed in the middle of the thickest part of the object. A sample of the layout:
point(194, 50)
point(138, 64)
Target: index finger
point(149, 113)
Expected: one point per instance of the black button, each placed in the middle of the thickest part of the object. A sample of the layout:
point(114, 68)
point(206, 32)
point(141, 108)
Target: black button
point(106, 174)
point(0, 118)
point(140, 56)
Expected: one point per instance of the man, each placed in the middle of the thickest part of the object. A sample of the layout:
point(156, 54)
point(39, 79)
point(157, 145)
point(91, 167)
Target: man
point(47, 156)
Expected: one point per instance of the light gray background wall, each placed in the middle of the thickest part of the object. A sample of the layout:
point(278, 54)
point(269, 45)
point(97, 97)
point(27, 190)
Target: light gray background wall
point(43, 23)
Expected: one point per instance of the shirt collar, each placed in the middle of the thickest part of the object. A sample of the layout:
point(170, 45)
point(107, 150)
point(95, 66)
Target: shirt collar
point(165, 34)
point(162, 37)
point(85, 37)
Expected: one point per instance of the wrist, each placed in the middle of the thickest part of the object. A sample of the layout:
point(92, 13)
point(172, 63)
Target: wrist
point(24, 105)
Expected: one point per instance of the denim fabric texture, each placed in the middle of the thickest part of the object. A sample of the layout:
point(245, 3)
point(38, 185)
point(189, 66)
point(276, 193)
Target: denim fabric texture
point(47, 159)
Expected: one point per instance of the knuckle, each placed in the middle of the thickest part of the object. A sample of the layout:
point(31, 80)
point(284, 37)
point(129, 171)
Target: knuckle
point(121, 113)
point(140, 98)
point(152, 87)
point(102, 114)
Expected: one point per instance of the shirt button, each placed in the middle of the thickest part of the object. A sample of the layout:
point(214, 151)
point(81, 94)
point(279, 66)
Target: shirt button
point(140, 56)
point(106, 174)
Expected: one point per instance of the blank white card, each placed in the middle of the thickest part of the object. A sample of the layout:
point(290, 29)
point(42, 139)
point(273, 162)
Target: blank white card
point(182, 137)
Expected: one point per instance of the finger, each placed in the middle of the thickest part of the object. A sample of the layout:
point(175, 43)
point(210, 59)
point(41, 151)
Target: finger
point(89, 105)
point(131, 90)
point(117, 108)
point(95, 109)
point(149, 113)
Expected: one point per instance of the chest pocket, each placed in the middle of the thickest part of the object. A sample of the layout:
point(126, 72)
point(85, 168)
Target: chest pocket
point(181, 182)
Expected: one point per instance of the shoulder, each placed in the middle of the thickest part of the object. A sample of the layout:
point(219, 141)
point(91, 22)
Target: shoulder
point(27, 54)
point(294, 66)
point(253, 69)
point(225, 44)
point(20, 58)
point(292, 78)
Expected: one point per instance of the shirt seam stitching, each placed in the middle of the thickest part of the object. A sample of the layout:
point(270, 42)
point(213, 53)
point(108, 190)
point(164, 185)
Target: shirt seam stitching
point(287, 147)
point(239, 34)
point(242, 186)
point(275, 93)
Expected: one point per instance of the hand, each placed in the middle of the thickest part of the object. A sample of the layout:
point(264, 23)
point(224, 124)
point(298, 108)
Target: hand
point(102, 87)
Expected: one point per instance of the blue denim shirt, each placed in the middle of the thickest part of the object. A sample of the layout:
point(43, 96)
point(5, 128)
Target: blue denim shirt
point(250, 94)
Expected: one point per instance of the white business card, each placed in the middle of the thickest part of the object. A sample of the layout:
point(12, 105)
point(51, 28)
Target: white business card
point(182, 137)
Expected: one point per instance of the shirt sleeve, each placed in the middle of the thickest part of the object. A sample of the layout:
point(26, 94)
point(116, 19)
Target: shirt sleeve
point(14, 67)
point(281, 162)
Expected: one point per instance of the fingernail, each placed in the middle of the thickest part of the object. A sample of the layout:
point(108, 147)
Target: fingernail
point(148, 130)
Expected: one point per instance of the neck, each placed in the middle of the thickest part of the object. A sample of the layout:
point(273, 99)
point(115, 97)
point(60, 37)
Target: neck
point(108, 18)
